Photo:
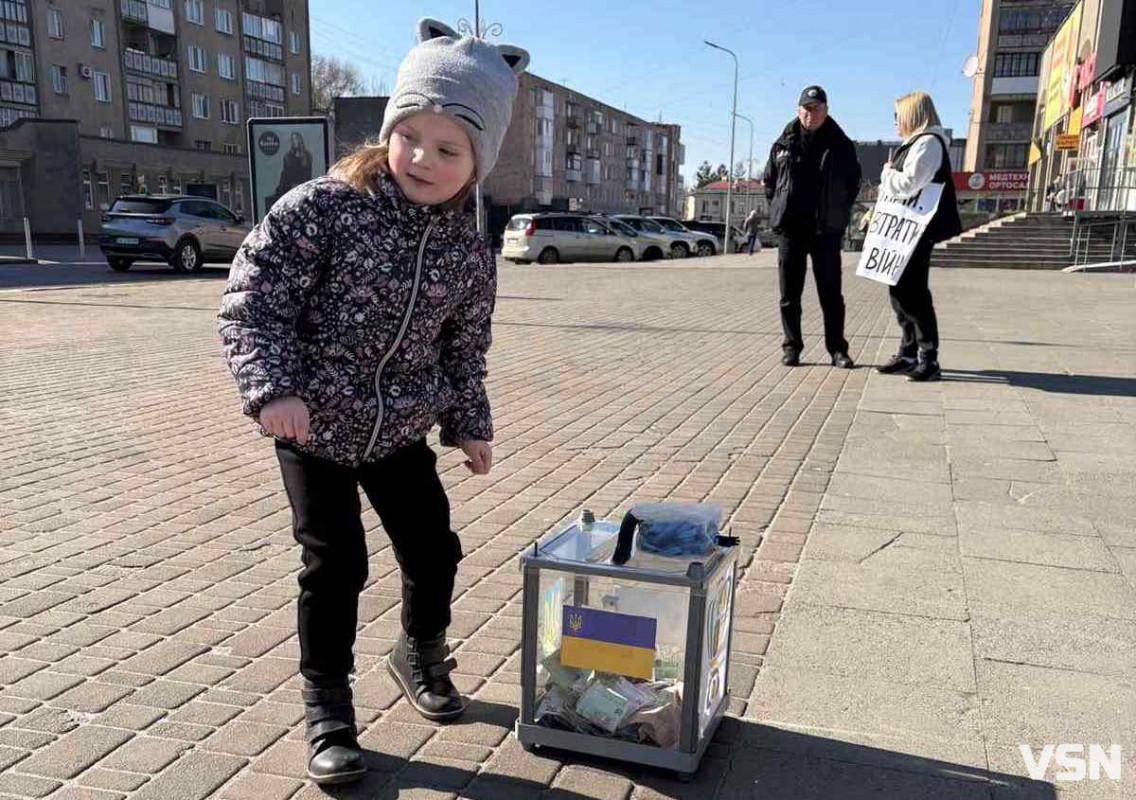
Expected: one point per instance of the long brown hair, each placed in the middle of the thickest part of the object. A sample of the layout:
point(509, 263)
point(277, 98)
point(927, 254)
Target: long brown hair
point(362, 168)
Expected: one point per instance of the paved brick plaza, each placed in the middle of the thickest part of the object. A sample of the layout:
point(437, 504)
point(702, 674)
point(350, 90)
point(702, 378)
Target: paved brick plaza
point(948, 570)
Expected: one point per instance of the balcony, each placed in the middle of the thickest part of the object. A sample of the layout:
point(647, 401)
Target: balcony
point(263, 49)
point(573, 122)
point(1009, 131)
point(1020, 85)
point(138, 61)
point(594, 129)
point(574, 175)
point(544, 141)
point(135, 11)
point(162, 116)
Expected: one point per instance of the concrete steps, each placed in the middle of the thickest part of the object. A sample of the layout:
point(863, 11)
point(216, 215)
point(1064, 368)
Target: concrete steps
point(1022, 241)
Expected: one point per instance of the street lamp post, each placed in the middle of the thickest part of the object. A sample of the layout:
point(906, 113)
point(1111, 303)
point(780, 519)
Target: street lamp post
point(733, 124)
point(749, 164)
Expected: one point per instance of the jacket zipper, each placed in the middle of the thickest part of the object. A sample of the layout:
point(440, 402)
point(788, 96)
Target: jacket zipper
point(397, 341)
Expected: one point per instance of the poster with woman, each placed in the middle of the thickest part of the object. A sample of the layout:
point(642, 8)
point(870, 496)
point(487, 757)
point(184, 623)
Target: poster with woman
point(283, 153)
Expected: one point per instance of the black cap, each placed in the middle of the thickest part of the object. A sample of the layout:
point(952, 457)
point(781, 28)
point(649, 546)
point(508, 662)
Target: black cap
point(812, 94)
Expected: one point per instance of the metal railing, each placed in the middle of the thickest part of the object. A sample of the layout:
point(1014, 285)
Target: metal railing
point(1091, 235)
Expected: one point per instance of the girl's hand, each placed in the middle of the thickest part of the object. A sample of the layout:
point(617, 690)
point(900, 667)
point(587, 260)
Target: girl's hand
point(287, 418)
point(480, 455)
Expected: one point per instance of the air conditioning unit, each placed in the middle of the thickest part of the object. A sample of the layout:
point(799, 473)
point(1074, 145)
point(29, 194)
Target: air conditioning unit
point(85, 72)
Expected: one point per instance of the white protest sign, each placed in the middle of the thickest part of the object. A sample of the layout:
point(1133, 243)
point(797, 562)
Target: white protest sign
point(897, 225)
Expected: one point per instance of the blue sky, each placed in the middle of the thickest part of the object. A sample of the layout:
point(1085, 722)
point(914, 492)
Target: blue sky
point(648, 57)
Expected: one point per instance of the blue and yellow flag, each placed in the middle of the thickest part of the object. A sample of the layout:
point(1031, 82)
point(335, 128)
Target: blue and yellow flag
point(607, 642)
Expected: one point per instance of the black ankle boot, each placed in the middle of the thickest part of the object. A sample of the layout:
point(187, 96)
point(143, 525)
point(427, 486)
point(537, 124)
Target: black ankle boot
point(422, 669)
point(335, 756)
point(927, 369)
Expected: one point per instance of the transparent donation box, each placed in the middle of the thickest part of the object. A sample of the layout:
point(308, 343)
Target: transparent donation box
point(626, 641)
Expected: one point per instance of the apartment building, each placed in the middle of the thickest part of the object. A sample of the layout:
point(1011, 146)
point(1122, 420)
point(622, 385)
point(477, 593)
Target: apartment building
point(103, 97)
point(566, 151)
point(1012, 36)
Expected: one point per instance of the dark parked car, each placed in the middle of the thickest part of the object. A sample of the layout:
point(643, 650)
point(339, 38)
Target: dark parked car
point(718, 230)
point(182, 230)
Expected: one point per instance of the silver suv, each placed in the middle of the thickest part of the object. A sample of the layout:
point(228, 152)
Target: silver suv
point(185, 231)
point(701, 243)
point(552, 238)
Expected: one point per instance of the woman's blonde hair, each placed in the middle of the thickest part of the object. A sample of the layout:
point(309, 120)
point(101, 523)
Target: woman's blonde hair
point(362, 168)
point(915, 112)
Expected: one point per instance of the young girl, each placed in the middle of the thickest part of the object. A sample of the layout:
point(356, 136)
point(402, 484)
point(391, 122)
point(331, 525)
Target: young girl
point(357, 315)
point(923, 158)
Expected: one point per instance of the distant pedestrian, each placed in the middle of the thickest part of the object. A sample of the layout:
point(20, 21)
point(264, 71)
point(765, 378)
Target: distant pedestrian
point(811, 180)
point(356, 317)
point(923, 158)
point(751, 226)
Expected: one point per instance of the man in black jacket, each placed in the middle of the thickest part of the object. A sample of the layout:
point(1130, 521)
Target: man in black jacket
point(812, 178)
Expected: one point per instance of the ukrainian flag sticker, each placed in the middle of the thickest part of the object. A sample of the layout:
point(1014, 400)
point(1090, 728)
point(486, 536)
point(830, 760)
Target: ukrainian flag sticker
point(621, 644)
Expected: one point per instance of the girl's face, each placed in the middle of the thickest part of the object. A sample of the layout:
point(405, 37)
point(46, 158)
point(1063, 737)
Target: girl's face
point(431, 158)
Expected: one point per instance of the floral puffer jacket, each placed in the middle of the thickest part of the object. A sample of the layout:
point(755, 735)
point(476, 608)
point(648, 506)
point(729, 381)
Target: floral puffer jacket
point(372, 309)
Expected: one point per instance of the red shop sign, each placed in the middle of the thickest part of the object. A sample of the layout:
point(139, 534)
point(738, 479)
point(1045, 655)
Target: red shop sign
point(1094, 108)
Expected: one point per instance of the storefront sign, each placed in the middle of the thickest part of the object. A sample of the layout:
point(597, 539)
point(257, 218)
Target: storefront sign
point(1076, 120)
point(1094, 108)
point(1117, 96)
point(1004, 180)
point(1067, 141)
point(1062, 60)
point(1086, 72)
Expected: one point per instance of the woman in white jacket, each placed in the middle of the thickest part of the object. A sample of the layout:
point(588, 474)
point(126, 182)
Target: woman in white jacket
point(923, 158)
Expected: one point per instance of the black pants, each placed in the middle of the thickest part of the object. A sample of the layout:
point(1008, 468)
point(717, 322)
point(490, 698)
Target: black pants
point(405, 491)
point(824, 249)
point(914, 309)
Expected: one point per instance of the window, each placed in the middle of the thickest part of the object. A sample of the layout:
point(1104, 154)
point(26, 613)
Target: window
point(103, 187)
point(198, 59)
point(88, 196)
point(55, 23)
point(126, 186)
point(295, 83)
point(294, 42)
point(231, 149)
point(261, 28)
point(239, 195)
point(101, 82)
point(203, 144)
point(58, 79)
point(263, 71)
point(223, 19)
point(1016, 65)
point(1004, 115)
point(1006, 156)
point(226, 66)
point(195, 11)
point(25, 69)
point(201, 105)
point(231, 112)
point(142, 133)
point(106, 132)
point(98, 33)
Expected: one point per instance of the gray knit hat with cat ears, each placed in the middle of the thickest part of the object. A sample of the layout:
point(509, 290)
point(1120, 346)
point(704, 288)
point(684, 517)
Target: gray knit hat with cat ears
point(470, 79)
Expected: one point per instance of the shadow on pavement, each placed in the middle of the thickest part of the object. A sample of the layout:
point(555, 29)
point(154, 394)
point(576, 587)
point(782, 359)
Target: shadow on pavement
point(1048, 381)
point(747, 761)
point(59, 276)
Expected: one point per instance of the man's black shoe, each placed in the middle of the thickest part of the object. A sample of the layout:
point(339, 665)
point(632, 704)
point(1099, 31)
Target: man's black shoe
point(842, 360)
point(791, 358)
point(927, 370)
point(897, 364)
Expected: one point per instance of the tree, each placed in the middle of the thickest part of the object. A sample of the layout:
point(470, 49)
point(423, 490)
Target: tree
point(704, 175)
point(739, 170)
point(333, 78)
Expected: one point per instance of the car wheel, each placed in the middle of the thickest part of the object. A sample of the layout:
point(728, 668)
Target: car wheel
point(187, 256)
point(679, 250)
point(549, 255)
point(119, 264)
point(705, 249)
point(652, 254)
point(624, 255)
